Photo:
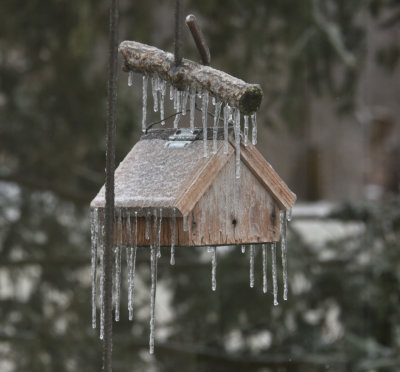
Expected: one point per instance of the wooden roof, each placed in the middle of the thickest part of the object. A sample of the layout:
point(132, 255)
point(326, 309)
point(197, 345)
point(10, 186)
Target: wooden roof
point(152, 175)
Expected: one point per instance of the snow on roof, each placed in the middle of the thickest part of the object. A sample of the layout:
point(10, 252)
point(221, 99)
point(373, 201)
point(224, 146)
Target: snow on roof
point(154, 175)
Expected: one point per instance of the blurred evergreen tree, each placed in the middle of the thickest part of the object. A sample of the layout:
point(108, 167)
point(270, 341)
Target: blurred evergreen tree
point(52, 112)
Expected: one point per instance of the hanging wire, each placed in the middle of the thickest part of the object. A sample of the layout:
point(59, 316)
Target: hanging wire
point(109, 184)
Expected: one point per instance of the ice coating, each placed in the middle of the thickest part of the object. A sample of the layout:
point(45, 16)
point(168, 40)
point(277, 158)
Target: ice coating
point(185, 96)
point(177, 107)
point(283, 221)
point(130, 78)
point(155, 87)
point(153, 270)
point(144, 102)
point(214, 268)
point(192, 107)
point(204, 108)
point(173, 233)
point(254, 129)
point(252, 248)
point(264, 256)
point(217, 113)
point(94, 227)
point(237, 141)
point(246, 130)
point(274, 276)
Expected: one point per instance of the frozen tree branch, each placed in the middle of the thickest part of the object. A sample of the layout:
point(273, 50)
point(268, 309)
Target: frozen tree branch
point(147, 59)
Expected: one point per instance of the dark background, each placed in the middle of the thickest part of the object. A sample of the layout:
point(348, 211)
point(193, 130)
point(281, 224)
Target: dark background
point(329, 124)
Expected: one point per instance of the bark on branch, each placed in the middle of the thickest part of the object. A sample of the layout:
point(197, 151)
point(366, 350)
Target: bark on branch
point(147, 59)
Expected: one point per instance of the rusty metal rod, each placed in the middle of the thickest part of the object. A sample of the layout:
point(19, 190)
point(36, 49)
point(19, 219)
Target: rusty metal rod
point(199, 40)
point(178, 33)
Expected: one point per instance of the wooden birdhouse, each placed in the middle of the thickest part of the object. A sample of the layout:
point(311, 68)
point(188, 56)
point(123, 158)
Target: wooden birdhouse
point(200, 185)
point(198, 200)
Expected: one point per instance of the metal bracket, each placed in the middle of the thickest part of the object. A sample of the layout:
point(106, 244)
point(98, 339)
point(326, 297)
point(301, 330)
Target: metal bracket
point(182, 138)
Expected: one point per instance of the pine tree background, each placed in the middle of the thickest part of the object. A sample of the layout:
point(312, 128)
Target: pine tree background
point(343, 312)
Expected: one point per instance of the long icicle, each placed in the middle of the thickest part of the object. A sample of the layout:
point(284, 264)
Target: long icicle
point(237, 141)
point(163, 88)
point(130, 78)
point(94, 227)
point(254, 129)
point(177, 107)
point(153, 269)
point(155, 81)
point(129, 258)
point(144, 102)
point(192, 107)
point(148, 222)
point(252, 248)
point(214, 269)
point(159, 235)
point(274, 278)
point(133, 268)
point(185, 96)
point(118, 266)
point(216, 121)
point(284, 253)
point(246, 130)
point(226, 128)
point(265, 280)
point(173, 232)
point(102, 300)
point(204, 108)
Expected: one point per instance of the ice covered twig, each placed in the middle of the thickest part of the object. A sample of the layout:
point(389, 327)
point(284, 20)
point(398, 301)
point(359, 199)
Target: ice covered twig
point(147, 59)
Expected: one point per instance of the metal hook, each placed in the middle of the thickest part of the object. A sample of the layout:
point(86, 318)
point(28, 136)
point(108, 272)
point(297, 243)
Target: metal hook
point(198, 38)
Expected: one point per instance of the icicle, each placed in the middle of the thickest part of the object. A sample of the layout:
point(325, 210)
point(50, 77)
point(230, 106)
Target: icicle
point(274, 278)
point(153, 269)
point(148, 221)
point(177, 107)
point(246, 130)
point(252, 265)
point(254, 129)
point(172, 91)
point(192, 107)
point(130, 78)
point(117, 281)
point(94, 227)
point(216, 121)
point(226, 123)
point(159, 235)
point(129, 259)
point(200, 94)
point(144, 102)
point(155, 86)
point(284, 252)
point(173, 232)
point(185, 96)
point(264, 254)
point(289, 215)
point(132, 258)
point(237, 141)
point(102, 285)
point(185, 223)
point(163, 87)
point(213, 101)
point(243, 249)
point(117, 272)
point(204, 108)
point(214, 269)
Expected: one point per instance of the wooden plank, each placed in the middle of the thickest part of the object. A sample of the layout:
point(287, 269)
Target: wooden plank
point(147, 59)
